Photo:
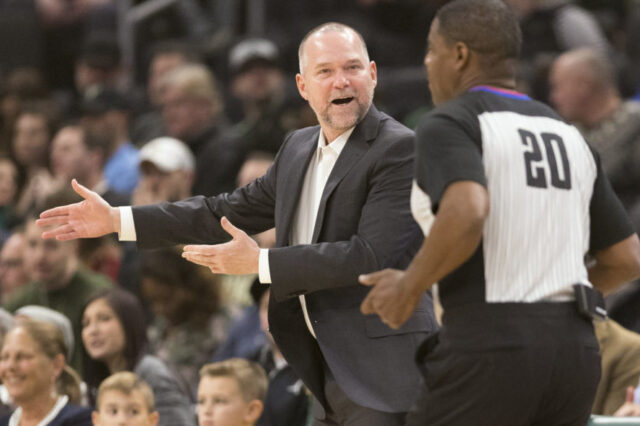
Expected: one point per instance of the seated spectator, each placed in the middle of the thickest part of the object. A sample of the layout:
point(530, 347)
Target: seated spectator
point(288, 400)
point(189, 321)
point(8, 195)
point(79, 152)
point(98, 65)
point(620, 352)
point(193, 111)
point(33, 130)
point(167, 169)
point(41, 385)
point(20, 86)
point(258, 81)
point(165, 57)
point(58, 281)
point(13, 271)
point(40, 313)
point(107, 113)
point(124, 399)
point(114, 339)
point(584, 91)
point(231, 393)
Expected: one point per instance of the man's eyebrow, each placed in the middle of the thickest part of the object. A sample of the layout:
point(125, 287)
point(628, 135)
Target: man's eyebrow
point(326, 64)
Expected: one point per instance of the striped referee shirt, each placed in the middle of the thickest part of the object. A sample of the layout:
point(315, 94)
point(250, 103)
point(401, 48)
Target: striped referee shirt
point(550, 202)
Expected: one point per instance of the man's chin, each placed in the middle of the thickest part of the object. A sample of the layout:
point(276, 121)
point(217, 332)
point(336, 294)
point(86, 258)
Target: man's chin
point(343, 121)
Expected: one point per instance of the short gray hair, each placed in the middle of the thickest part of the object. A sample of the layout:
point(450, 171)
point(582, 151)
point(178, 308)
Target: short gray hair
point(326, 28)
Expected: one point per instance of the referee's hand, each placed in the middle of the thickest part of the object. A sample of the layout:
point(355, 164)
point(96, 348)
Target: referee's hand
point(392, 297)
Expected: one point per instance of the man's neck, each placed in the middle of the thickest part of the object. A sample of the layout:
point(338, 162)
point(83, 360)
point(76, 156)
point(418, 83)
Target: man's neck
point(478, 80)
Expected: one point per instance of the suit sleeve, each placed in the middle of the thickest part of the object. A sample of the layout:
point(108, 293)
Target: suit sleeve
point(196, 220)
point(386, 234)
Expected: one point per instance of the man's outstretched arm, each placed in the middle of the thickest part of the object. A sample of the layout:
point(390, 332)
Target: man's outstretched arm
point(90, 218)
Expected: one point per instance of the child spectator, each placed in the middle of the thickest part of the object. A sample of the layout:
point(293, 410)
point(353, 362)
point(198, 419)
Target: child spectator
point(231, 393)
point(125, 399)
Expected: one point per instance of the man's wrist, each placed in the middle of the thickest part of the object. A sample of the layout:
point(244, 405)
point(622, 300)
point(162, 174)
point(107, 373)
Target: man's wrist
point(114, 212)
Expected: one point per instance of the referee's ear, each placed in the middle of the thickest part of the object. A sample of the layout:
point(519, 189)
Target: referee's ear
point(462, 56)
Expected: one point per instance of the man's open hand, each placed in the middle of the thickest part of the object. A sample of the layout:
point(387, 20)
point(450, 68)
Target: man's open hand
point(238, 256)
point(92, 217)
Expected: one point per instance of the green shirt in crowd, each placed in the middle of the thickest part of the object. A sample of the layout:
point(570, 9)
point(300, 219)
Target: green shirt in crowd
point(68, 300)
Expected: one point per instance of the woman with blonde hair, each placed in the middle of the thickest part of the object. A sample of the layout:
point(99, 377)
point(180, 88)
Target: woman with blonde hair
point(44, 389)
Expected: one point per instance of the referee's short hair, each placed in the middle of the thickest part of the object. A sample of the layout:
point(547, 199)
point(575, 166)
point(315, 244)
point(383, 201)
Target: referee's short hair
point(487, 27)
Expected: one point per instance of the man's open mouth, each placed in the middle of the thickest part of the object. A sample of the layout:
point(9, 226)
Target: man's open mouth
point(342, 101)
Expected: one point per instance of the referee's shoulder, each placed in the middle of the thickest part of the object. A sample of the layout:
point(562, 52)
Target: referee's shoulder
point(460, 110)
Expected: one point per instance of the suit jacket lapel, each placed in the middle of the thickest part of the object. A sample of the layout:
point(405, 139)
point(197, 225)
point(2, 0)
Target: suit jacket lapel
point(293, 185)
point(356, 146)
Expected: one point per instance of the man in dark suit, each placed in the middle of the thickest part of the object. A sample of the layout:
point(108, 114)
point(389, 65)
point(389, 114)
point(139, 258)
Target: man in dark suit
point(338, 196)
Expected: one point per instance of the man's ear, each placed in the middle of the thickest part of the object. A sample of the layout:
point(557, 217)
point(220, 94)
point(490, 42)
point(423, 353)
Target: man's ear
point(373, 69)
point(95, 418)
point(463, 56)
point(254, 410)
point(302, 88)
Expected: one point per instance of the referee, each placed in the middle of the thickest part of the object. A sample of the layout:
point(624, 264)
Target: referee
point(519, 199)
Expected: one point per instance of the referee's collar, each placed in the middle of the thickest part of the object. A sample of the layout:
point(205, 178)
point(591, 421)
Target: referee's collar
point(501, 92)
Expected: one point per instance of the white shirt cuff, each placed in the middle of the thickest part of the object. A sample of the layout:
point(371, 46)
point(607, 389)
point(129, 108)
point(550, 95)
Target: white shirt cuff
point(264, 274)
point(127, 227)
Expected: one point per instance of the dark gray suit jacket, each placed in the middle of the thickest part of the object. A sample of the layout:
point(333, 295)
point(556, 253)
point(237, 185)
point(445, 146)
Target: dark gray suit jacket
point(363, 224)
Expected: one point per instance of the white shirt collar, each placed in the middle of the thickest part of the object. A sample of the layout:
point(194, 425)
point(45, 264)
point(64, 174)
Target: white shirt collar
point(14, 420)
point(338, 143)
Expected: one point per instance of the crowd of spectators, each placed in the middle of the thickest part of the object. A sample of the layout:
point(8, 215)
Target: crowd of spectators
point(201, 110)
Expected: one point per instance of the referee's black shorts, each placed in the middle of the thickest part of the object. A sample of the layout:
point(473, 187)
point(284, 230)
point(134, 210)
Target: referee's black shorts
point(509, 364)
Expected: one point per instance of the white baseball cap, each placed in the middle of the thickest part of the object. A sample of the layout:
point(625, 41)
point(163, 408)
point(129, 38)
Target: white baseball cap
point(168, 154)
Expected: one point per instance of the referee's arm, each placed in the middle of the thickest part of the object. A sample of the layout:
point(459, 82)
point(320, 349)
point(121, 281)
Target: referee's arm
point(453, 238)
point(616, 264)
point(613, 244)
